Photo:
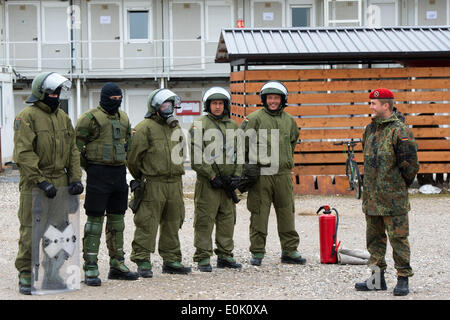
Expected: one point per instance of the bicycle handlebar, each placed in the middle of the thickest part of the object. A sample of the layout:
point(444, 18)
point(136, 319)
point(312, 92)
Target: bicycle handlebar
point(348, 143)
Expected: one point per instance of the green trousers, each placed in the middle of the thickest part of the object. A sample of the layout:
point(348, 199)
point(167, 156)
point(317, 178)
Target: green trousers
point(397, 228)
point(163, 207)
point(212, 207)
point(23, 258)
point(279, 191)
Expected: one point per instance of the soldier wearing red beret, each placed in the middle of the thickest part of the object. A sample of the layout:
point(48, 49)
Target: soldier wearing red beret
point(390, 166)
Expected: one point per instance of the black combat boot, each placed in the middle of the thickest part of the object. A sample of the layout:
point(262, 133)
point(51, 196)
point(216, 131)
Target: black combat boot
point(175, 268)
point(119, 271)
point(371, 283)
point(292, 258)
point(228, 262)
point(115, 226)
point(204, 265)
point(25, 282)
point(401, 289)
point(256, 259)
point(145, 269)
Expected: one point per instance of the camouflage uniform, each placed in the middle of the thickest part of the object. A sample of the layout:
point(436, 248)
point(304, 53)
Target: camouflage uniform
point(390, 165)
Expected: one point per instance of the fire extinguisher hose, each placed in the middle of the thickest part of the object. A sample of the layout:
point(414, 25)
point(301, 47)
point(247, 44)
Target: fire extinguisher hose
point(333, 251)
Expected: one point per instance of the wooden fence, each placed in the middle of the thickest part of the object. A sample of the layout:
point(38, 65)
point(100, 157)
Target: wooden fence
point(333, 105)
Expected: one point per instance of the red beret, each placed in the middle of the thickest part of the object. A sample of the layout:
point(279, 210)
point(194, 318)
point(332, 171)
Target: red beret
point(381, 94)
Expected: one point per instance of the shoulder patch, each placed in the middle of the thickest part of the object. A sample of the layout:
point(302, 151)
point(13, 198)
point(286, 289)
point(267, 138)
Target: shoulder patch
point(244, 123)
point(17, 123)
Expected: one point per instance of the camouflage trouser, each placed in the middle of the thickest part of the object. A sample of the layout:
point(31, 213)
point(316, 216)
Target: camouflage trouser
point(397, 228)
point(279, 191)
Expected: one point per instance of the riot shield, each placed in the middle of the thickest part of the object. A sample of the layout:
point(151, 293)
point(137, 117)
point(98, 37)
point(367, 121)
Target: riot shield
point(56, 242)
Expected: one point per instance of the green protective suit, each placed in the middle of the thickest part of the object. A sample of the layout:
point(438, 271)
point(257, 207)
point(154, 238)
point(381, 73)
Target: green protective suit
point(156, 157)
point(276, 188)
point(213, 206)
point(44, 150)
point(390, 165)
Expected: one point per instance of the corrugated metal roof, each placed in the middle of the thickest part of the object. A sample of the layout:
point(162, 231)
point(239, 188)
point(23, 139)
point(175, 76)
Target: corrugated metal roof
point(325, 45)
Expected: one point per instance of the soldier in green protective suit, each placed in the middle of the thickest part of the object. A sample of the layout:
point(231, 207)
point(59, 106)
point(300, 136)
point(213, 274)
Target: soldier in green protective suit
point(390, 166)
point(212, 204)
point(272, 176)
point(47, 157)
point(155, 160)
point(103, 134)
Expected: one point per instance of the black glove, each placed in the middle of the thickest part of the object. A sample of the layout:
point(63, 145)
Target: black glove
point(216, 183)
point(48, 188)
point(75, 188)
point(234, 183)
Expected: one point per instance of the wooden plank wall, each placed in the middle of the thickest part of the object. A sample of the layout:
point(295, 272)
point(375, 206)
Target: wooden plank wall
point(332, 105)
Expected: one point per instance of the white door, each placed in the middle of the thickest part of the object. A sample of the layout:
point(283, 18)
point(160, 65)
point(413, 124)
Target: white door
point(23, 35)
point(219, 15)
point(381, 13)
point(55, 37)
point(105, 45)
point(187, 49)
point(19, 101)
point(136, 105)
point(139, 49)
point(267, 14)
point(7, 121)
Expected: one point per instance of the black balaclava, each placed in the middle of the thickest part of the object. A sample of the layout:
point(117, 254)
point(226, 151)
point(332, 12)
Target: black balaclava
point(53, 103)
point(110, 89)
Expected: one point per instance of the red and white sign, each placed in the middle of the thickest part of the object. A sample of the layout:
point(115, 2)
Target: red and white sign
point(189, 108)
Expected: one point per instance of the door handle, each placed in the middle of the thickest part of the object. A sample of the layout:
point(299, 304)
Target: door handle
point(117, 38)
point(35, 39)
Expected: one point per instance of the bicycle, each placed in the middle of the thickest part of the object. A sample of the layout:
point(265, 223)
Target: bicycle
point(351, 167)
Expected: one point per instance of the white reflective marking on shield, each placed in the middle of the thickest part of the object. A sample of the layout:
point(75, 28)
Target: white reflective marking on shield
point(59, 241)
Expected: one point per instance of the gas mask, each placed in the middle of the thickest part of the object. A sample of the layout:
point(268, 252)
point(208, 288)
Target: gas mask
point(164, 102)
point(166, 112)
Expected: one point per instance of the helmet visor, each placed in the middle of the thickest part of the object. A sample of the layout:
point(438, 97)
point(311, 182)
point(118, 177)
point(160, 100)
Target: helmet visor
point(53, 81)
point(164, 95)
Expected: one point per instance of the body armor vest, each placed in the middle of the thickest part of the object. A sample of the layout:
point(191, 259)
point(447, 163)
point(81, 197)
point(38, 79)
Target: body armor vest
point(109, 147)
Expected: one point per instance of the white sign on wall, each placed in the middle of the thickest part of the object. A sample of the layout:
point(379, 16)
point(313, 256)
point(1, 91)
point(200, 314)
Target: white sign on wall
point(105, 19)
point(268, 16)
point(431, 15)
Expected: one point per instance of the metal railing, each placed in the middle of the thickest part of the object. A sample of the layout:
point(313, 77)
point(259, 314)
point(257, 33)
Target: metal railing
point(159, 58)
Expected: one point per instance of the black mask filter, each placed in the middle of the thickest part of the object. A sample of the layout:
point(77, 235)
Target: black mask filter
point(166, 112)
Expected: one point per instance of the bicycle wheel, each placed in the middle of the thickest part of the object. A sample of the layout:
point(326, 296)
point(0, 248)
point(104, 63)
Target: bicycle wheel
point(356, 179)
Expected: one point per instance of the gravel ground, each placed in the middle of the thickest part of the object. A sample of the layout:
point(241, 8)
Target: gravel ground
point(429, 229)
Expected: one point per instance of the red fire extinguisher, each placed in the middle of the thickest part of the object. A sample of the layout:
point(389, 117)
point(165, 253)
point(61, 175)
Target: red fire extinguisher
point(328, 226)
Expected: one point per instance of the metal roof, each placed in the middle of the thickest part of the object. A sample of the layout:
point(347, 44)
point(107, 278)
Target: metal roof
point(332, 45)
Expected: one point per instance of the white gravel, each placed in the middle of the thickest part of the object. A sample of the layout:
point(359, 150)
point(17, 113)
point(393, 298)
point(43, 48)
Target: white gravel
point(429, 230)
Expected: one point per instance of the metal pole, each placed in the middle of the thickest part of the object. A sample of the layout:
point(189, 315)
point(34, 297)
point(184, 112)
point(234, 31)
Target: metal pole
point(78, 97)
